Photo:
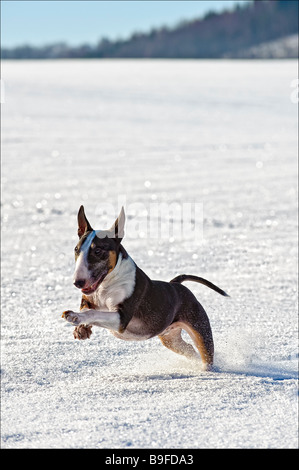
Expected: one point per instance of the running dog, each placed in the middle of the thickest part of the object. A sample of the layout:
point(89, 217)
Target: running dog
point(119, 296)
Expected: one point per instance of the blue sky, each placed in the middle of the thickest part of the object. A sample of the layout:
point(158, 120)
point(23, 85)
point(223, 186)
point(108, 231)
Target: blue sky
point(77, 22)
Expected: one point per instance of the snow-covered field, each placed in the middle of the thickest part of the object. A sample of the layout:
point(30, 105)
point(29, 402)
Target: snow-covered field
point(221, 134)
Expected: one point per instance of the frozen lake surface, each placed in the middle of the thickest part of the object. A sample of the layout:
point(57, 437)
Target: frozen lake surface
point(219, 133)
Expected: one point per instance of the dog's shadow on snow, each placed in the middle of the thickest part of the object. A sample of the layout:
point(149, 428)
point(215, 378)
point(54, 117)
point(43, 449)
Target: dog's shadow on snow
point(217, 373)
point(271, 372)
point(264, 371)
point(283, 369)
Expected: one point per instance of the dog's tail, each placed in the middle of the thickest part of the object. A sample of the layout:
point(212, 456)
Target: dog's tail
point(187, 277)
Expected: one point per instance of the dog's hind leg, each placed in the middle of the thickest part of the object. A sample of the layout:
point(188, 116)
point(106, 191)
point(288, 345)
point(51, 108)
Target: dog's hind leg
point(172, 339)
point(196, 323)
point(203, 340)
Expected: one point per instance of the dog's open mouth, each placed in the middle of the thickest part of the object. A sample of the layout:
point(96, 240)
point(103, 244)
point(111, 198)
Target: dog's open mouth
point(95, 285)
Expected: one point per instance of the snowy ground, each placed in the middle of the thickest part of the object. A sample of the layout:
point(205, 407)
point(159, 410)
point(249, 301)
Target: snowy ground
point(223, 134)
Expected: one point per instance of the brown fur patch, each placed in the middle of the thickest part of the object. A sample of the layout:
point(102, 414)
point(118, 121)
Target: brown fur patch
point(172, 340)
point(203, 344)
point(178, 345)
point(85, 303)
point(64, 313)
point(112, 260)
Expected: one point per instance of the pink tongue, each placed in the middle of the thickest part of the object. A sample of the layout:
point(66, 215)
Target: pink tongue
point(91, 287)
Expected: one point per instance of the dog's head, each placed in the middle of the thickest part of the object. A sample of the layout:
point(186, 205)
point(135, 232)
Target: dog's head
point(97, 252)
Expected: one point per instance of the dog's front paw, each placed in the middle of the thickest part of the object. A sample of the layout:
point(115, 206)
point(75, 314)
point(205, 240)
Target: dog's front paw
point(72, 317)
point(82, 332)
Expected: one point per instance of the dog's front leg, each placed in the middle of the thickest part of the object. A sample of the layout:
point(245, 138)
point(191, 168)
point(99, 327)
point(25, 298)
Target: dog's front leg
point(109, 320)
point(82, 332)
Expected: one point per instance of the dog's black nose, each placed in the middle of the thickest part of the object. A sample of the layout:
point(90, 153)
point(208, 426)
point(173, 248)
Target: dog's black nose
point(80, 283)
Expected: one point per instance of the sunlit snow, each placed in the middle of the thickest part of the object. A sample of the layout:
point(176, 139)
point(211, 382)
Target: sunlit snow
point(222, 134)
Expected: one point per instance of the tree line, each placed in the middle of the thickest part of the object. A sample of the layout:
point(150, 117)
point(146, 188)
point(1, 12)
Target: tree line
point(216, 35)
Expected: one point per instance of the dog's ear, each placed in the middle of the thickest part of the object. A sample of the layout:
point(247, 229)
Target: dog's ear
point(83, 224)
point(118, 228)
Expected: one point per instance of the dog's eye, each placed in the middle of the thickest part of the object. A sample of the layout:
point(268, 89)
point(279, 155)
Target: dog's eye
point(98, 251)
point(76, 249)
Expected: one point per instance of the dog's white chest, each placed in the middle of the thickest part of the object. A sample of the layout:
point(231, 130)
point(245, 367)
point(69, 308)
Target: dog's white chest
point(117, 286)
point(108, 301)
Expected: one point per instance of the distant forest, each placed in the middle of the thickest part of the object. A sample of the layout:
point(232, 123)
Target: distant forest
point(216, 35)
